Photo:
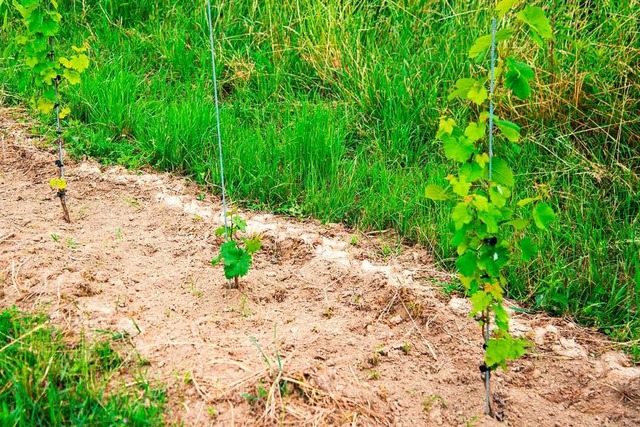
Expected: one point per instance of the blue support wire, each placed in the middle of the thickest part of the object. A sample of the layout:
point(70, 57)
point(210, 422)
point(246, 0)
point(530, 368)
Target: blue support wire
point(215, 95)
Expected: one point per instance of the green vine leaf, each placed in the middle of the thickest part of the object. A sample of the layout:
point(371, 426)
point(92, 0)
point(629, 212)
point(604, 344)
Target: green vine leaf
point(45, 106)
point(475, 131)
point(543, 215)
point(461, 215)
point(482, 159)
point(471, 171)
point(50, 24)
point(72, 76)
point(491, 218)
point(446, 126)
point(517, 78)
point(459, 185)
point(504, 6)
point(58, 184)
point(480, 202)
point(236, 260)
point(252, 245)
point(502, 174)
point(480, 301)
point(25, 8)
point(510, 130)
point(467, 263)
point(499, 194)
point(492, 259)
point(504, 348)
point(519, 224)
point(239, 223)
point(502, 317)
point(436, 192)
point(77, 62)
point(484, 42)
point(462, 88)
point(536, 19)
point(478, 93)
point(528, 200)
point(458, 149)
point(528, 249)
point(48, 75)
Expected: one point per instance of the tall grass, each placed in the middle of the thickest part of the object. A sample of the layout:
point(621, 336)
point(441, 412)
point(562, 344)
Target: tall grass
point(45, 381)
point(329, 109)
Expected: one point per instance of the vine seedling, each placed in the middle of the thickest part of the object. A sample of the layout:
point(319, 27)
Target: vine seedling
point(237, 254)
point(489, 228)
point(42, 25)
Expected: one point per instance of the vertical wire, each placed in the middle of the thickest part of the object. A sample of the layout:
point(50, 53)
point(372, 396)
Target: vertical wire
point(215, 95)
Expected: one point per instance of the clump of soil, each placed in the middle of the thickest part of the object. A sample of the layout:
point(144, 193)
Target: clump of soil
point(327, 329)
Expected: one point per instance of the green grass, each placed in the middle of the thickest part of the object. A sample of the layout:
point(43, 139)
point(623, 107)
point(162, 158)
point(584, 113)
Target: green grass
point(46, 381)
point(330, 109)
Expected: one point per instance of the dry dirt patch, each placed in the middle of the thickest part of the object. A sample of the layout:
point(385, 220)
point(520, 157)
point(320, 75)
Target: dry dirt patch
point(326, 329)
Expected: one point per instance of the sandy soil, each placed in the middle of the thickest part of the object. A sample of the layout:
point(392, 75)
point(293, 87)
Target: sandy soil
point(331, 327)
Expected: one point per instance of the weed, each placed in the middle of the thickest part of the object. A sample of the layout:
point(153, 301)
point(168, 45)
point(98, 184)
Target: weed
point(186, 377)
point(134, 203)
point(471, 422)
point(55, 237)
point(428, 402)
point(374, 375)
point(105, 356)
point(193, 287)
point(406, 348)
point(244, 309)
point(71, 244)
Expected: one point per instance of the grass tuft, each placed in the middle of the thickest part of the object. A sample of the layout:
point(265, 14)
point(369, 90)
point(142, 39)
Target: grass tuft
point(46, 381)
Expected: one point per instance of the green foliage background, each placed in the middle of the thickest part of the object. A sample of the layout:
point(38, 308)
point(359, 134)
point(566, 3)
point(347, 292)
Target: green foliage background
point(330, 109)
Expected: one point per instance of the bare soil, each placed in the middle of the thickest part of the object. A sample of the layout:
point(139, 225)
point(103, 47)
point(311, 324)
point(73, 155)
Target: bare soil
point(330, 327)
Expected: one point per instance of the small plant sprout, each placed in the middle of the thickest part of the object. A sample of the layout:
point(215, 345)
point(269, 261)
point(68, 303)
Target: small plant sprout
point(237, 254)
